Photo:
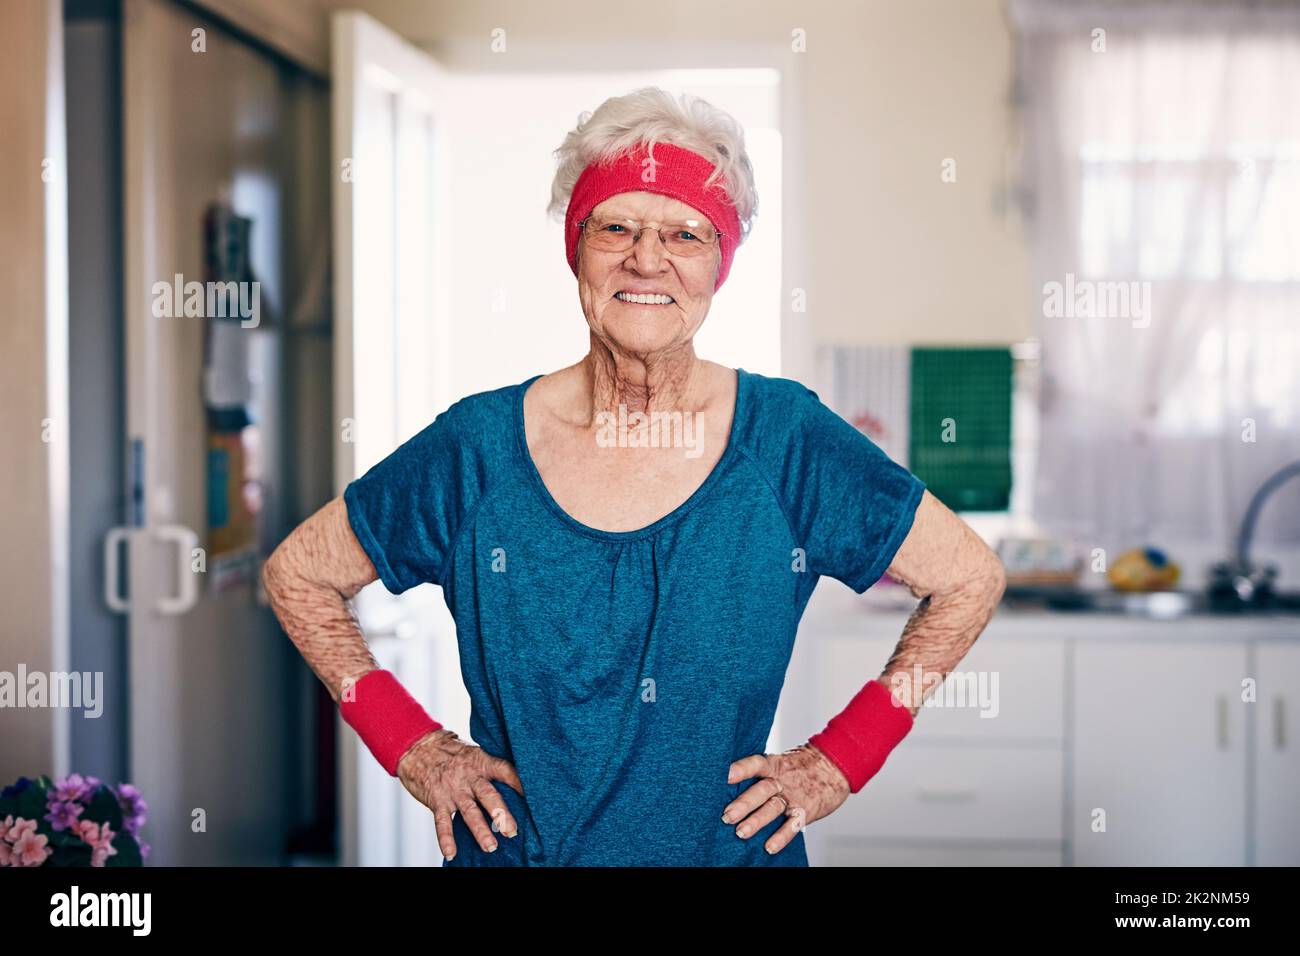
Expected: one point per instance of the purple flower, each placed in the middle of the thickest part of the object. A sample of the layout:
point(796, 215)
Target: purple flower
point(63, 814)
point(134, 808)
point(73, 789)
point(144, 850)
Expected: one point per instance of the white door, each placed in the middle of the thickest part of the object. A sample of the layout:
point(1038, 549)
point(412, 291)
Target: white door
point(389, 145)
point(1159, 747)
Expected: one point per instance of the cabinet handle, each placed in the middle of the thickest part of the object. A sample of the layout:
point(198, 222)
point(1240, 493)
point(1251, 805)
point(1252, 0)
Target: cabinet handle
point(1221, 708)
point(1279, 722)
point(946, 796)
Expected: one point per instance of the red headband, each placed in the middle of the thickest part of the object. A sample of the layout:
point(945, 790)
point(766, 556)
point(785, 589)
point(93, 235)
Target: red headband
point(673, 171)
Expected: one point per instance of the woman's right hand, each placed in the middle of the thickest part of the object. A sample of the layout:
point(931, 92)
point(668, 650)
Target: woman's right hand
point(446, 774)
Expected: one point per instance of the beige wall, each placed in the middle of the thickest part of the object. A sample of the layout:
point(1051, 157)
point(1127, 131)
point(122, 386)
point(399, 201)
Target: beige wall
point(891, 90)
point(33, 378)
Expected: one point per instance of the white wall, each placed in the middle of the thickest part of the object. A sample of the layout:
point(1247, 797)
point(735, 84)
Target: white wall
point(890, 89)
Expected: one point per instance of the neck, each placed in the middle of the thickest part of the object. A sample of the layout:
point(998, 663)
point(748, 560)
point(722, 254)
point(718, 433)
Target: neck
point(662, 382)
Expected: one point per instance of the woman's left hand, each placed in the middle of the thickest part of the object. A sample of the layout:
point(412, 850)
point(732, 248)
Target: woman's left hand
point(808, 784)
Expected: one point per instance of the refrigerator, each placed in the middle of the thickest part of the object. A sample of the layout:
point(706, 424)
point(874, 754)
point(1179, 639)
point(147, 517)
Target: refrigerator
point(197, 157)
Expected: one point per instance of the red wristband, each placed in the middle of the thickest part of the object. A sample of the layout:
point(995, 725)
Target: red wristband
point(387, 718)
point(860, 737)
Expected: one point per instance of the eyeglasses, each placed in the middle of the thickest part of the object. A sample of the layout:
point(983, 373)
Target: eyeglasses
point(692, 237)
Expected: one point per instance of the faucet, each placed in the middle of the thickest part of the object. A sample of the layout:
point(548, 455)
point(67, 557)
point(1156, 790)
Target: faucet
point(1238, 584)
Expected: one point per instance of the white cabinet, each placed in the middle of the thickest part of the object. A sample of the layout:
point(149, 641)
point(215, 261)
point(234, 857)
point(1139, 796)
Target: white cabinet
point(1159, 768)
point(1276, 836)
point(1012, 689)
point(1143, 725)
point(960, 793)
point(980, 779)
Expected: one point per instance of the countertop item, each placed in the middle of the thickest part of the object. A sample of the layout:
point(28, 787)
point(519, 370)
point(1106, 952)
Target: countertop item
point(1062, 612)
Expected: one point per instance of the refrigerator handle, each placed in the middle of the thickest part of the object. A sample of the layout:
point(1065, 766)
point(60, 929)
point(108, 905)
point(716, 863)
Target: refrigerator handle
point(186, 541)
point(113, 570)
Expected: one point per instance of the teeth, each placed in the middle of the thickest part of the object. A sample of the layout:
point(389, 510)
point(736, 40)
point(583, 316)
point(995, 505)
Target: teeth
point(644, 299)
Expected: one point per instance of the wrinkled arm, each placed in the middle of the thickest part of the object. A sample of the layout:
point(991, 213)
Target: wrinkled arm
point(959, 580)
point(309, 579)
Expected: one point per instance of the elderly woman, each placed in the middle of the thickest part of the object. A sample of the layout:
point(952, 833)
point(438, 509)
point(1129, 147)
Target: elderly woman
point(627, 546)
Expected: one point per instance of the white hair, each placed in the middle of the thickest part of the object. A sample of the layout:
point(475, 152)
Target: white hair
point(650, 115)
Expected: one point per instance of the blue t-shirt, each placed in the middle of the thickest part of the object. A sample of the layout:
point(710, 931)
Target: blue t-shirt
point(622, 673)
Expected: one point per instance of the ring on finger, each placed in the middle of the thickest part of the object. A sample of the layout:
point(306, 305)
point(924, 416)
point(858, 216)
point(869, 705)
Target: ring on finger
point(785, 804)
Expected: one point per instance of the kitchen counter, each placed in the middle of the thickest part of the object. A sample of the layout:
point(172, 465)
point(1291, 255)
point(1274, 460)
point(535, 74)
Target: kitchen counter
point(834, 608)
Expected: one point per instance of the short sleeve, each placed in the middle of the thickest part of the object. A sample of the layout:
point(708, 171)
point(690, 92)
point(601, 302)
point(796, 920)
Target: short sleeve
point(852, 504)
point(406, 510)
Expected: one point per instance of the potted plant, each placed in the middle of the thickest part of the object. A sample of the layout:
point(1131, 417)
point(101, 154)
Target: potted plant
point(76, 821)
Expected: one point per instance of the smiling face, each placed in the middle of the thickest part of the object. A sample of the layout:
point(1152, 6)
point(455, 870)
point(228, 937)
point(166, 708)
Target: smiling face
point(645, 330)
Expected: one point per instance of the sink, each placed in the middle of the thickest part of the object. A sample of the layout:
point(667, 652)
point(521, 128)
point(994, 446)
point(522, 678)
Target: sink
point(1155, 604)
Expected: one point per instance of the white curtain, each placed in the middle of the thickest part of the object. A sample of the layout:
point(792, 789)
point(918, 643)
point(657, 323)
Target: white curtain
point(1164, 151)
